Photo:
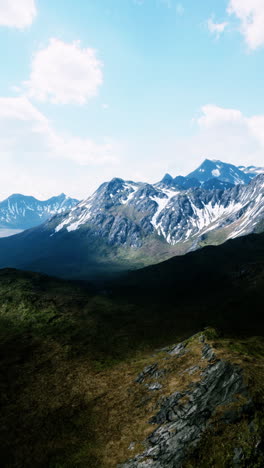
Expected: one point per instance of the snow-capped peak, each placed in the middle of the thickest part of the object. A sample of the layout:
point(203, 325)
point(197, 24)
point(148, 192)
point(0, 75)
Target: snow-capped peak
point(22, 212)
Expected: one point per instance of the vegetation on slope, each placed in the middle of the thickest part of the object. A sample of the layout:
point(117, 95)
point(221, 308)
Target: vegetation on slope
point(70, 354)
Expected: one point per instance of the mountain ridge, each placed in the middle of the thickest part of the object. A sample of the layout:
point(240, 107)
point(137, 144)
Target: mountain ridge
point(20, 211)
point(224, 171)
point(163, 209)
point(128, 225)
point(213, 174)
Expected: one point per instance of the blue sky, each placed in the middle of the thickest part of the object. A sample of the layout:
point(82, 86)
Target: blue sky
point(130, 88)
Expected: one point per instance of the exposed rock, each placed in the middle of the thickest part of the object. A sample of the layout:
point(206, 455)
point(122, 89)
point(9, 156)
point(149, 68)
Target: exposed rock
point(184, 416)
point(154, 386)
point(202, 338)
point(131, 446)
point(147, 372)
point(192, 370)
point(178, 350)
point(208, 352)
point(151, 371)
point(126, 213)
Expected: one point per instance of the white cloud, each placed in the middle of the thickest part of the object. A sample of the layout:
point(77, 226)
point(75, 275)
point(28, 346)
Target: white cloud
point(17, 13)
point(214, 116)
point(64, 73)
point(251, 16)
point(39, 160)
point(217, 133)
point(216, 28)
point(230, 135)
point(25, 130)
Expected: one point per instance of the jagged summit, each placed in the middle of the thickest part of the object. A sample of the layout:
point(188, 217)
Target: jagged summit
point(126, 224)
point(173, 213)
point(224, 171)
point(24, 211)
point(129, 225)
point(167, 179)
point(211, 170)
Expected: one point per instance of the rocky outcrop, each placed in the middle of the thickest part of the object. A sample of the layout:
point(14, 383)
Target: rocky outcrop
point(184, 416)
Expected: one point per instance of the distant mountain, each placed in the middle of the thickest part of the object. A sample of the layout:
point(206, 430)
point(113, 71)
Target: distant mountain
point(24, 212)
point(216, 184)
point(180, 182)
point(127, 225)
point(223, 171)
point(213, 174)
point(251, 171)
point(185, 183)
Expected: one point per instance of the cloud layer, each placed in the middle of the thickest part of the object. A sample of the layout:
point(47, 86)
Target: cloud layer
point(230, 135)
point(17, 13)
point(23, 126)
point(64, 73)
point(251, 16)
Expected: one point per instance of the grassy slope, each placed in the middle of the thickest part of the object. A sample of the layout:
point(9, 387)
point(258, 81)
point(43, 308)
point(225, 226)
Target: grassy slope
point(220, 286)
point(69, 356)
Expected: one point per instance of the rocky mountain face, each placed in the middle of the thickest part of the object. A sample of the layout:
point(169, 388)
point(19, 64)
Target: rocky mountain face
point(24, 212)
point(125, 213)
point(223, 171)
point(213, 174)
point(126, 225)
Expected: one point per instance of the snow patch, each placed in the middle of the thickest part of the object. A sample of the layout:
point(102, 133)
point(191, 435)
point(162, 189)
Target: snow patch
point(162, 203)
point(215, 172)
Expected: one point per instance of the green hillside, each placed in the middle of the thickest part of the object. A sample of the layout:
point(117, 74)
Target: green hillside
point(70, 355)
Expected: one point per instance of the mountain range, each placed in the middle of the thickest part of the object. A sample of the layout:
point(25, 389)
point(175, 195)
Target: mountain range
point(222, 171)
point(126, 225)
point(20, 212)
point(24, 212)
point(214, 174)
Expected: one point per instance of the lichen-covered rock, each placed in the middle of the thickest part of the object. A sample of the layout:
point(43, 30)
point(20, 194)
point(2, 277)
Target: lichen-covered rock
point(154, 386)
point(178, 350)
point(192, 370)
point(184, 416)
point(148, 371)
point(208, 352)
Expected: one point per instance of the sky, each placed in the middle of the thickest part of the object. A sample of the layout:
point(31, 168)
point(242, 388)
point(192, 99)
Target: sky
point(91, 90)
